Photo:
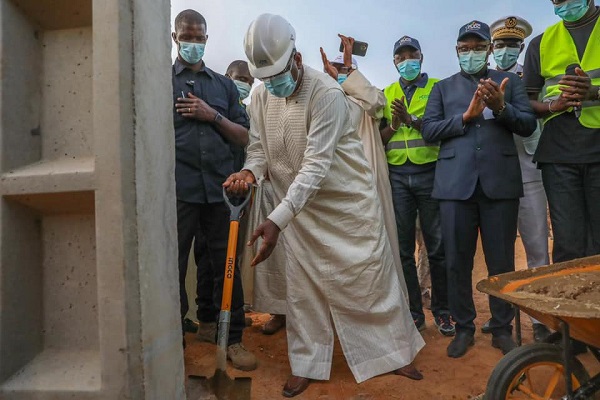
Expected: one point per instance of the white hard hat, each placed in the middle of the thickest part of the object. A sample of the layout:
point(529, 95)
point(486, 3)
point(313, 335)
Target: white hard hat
point(268, 44)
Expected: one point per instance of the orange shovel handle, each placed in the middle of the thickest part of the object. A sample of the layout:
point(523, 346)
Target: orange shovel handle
point(230, 266)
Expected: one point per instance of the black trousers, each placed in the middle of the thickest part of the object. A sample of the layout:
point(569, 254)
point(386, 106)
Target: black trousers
point(573, 192)
point(213, 221)
point(461, 222)
point(204, 274)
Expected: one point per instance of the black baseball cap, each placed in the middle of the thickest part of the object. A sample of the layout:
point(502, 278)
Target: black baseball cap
point(476, 28)
point(406, 41)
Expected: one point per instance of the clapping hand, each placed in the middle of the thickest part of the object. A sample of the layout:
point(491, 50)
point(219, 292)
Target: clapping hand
point(492, 94)
point(400, 114)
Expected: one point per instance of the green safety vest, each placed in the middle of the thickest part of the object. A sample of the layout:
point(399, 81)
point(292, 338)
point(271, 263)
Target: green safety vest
point(408, 143)
point(557, 51)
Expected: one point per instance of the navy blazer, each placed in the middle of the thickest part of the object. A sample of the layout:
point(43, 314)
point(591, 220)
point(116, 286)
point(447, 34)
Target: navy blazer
point(482, 149)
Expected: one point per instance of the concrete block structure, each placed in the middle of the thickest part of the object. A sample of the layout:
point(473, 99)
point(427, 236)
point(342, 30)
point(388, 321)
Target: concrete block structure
point(89, 303)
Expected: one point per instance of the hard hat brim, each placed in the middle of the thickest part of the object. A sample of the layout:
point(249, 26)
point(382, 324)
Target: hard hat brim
point(270, 70)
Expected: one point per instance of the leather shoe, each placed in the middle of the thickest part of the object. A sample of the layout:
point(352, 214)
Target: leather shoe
point(295, 385)
point(540, 333)
point(275, 323)
point(190, 326)
point(410, 372)
point(485, 328)
point(504, 342)
point(459, 345)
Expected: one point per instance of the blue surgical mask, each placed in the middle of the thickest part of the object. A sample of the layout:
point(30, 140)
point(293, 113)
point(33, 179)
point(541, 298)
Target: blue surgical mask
point(506, 57)
point(571, 10)
point(342, 78)
point(191, 52)
point(473, 61)
point(282, 85)
point(244, 88)
point(409, 69)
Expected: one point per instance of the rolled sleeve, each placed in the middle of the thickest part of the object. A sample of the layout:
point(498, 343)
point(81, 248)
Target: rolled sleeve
point(281, 216)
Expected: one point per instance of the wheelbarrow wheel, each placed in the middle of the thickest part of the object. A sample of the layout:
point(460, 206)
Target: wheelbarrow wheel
point(534, 371)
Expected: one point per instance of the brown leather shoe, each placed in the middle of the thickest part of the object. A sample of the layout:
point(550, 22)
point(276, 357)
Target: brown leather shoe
point(295, 385)
point(275, 323)
point(410, 372)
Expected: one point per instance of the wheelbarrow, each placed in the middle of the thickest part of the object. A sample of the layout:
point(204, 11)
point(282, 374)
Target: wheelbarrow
point(563, 297)
point(220, 384)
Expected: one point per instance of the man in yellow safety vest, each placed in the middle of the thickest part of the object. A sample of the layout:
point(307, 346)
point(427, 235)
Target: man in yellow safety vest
point(411, 163)
point(563, 65)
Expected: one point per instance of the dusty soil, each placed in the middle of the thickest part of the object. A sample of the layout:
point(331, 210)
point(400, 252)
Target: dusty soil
point(445, 378)
point(582, 287)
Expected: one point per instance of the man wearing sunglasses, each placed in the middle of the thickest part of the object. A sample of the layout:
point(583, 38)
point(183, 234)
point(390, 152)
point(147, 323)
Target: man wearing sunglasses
point(340, 272)
point(562, 78)
point(474, 114)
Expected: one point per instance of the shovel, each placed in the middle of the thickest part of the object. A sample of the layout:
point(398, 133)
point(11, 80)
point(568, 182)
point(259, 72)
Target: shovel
point(220, 384)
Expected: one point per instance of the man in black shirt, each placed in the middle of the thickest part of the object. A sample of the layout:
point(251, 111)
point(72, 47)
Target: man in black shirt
point(208, 122)
point(569, 149)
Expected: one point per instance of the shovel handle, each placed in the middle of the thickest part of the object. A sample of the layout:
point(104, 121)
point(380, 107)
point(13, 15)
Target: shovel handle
point(236, 211)
point(234, 225)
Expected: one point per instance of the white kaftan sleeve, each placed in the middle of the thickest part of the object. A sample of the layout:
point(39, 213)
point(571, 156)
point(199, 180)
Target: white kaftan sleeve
point(371, 99)
point(328, 121)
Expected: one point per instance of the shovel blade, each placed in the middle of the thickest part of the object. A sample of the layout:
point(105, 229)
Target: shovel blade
point(220, 386)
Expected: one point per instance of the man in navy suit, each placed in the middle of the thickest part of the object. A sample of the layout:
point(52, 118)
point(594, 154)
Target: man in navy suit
point(473, 114)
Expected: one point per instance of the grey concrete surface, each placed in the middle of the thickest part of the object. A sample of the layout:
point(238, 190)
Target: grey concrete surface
point(89, 305)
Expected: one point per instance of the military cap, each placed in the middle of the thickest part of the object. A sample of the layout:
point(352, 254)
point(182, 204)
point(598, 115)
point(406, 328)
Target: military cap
point(511, 27)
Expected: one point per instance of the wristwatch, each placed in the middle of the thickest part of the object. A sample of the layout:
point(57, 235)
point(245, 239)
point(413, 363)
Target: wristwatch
point(413, 119)
point(218, 117)
point(500, 111)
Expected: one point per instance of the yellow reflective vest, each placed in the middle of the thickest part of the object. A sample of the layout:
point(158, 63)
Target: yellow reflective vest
point(557, 52)
point(407, 142)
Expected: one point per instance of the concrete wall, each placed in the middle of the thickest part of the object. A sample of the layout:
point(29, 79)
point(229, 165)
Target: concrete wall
point(88, 280)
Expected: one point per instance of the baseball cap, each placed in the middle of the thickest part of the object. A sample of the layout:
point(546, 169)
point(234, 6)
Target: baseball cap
point(340, 60)
point(406, 41)
point(477, 28)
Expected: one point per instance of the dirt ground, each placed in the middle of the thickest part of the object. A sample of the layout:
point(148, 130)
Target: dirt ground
point(445, 378)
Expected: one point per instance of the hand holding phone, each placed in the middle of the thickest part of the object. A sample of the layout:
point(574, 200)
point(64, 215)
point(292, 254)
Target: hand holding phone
point(358, 48)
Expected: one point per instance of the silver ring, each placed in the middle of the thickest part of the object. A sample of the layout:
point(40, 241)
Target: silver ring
point(486, 97)
point(189, 110)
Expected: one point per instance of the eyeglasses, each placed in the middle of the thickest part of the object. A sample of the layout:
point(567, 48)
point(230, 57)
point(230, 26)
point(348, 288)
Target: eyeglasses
point(467, 49)
point(556, 2)
point(287, 68)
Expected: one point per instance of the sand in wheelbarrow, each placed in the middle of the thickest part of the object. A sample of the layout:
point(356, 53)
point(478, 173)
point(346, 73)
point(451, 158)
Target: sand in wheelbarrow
point(581, 288)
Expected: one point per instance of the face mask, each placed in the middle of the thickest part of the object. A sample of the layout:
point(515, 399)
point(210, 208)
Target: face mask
point(243, 88)
point(191, 52)
point(473, 61)
point(571, 10)
point(281, 86)
point(506, 57)
point(409, 69)
point(342, 78)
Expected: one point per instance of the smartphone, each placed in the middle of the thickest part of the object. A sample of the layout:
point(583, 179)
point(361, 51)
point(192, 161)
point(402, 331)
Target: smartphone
point(358, 49)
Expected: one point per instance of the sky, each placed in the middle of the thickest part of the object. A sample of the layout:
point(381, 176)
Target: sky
point(434, 23)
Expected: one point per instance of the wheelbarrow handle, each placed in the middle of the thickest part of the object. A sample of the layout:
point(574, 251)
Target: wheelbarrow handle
point(236, 211)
